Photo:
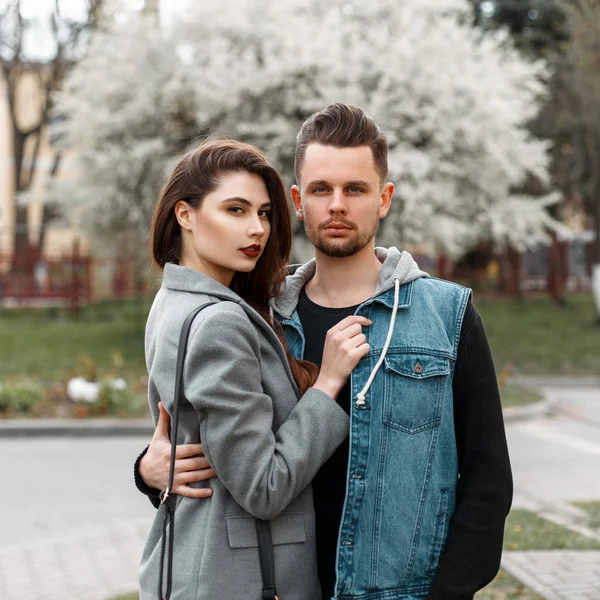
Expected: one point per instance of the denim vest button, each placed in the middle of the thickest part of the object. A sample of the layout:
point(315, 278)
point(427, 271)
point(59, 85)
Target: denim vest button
point(346, 543)
point(356, 476)
point(418, 369)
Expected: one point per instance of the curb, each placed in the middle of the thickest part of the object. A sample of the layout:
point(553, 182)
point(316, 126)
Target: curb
point(12, 428)
point(98, 427)
point(536, 410)
point(541, 381)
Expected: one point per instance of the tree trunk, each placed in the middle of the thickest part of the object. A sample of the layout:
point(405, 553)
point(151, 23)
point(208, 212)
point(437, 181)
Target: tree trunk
point(443, 266)
point(557, 275)
point(515, 262)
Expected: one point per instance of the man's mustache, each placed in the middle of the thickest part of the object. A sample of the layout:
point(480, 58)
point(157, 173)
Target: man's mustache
point(337, 221)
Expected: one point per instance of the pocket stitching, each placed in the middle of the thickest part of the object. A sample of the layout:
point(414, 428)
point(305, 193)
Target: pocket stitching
point(432, 423)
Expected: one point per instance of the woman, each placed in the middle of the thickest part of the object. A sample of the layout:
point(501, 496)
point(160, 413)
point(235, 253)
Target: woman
point(221, 233)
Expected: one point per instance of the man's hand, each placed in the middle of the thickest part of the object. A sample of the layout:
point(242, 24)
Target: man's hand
point(190, 463)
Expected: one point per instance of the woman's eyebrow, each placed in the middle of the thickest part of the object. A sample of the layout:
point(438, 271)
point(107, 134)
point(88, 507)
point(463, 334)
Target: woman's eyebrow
point(244, 201)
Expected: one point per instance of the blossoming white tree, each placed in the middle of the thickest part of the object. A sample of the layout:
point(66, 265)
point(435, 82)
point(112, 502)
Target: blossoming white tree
point(453, 103)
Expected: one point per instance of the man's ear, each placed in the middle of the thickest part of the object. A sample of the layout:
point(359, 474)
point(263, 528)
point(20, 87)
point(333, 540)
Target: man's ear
point(183, 214)
point(386, 199)
point(297, 200)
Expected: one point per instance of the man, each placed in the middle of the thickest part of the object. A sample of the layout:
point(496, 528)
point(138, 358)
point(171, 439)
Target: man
point(414, 503)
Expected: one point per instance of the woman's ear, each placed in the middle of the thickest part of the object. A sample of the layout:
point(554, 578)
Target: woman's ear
point(183, 214)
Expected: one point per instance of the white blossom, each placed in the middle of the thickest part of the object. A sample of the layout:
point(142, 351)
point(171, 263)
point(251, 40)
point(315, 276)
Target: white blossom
point(454, 105)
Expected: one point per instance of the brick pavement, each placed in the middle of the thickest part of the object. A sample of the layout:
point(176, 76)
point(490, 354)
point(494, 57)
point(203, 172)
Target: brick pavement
point(97, 564)
point(101, 563)
point(557, 574)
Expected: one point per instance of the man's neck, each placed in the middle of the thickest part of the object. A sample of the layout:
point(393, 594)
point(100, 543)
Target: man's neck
point(340, 282)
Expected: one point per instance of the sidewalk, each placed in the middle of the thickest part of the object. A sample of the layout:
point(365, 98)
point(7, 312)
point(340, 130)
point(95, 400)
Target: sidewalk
point(557, 574)
point(96, 565)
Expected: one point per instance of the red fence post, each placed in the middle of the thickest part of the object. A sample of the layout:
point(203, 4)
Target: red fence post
point(75, 278)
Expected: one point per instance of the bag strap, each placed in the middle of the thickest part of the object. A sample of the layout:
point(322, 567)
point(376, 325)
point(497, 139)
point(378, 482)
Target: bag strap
point(267, 560)
point(165, 495)
point(263, 528)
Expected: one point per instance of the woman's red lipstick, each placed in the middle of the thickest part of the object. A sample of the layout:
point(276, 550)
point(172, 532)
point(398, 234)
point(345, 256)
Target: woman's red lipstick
point(251, 251)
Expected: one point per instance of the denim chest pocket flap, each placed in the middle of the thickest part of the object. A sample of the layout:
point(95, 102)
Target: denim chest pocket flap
point(414, 385)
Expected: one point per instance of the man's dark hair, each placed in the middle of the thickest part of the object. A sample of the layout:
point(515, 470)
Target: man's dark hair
point(342, 126)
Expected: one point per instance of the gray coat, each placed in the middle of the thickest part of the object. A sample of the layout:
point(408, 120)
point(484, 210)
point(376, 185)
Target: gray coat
point(264, 443)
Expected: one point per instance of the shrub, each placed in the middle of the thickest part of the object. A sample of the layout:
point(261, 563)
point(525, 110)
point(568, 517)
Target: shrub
point(20, 398)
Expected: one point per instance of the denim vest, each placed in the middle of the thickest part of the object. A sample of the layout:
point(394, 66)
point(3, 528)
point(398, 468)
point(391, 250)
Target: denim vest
point(403, 466)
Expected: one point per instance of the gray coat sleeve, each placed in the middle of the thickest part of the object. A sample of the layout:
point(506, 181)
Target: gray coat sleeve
point(263, 471)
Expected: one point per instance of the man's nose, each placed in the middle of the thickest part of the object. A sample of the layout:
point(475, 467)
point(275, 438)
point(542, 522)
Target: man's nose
point(338, 203)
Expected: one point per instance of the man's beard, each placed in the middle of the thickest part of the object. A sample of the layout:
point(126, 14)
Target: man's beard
point(342, 247)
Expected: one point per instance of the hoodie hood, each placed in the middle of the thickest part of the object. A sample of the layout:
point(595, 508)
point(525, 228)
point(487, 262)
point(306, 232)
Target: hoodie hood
point(394, 265)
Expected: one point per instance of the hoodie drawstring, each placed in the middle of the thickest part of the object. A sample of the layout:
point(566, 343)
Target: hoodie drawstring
point(360, 397)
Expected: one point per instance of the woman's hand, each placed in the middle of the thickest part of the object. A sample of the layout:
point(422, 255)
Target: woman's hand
point(190, 463)
point(345, 345)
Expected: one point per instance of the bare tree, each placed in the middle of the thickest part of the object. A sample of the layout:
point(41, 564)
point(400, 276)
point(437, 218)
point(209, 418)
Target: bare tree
point(68, 37)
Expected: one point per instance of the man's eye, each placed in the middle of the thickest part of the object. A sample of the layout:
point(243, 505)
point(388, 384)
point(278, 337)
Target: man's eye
point(319, 190)
point(355, 190)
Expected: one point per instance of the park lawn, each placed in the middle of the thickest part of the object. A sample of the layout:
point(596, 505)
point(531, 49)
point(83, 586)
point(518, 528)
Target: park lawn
point(504, 587)
point(535, 335)
point(593, 512)
point(49, 345)
point(513, 394)
point(539, 337)
point(524, 530)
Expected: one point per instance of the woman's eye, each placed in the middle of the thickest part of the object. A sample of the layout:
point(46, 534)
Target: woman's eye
point(236, 210)
point(265, 214)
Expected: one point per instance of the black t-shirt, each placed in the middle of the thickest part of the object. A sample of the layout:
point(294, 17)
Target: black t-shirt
point(329, 485)
point(472, 552)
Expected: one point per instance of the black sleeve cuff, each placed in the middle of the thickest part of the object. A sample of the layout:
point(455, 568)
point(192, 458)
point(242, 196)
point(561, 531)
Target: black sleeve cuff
point(152, 493)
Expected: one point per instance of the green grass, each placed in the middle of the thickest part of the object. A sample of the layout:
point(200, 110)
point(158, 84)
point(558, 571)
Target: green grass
point(516, 395)
point(49, 345)
point(539, 337)
point(526, 531)
point(535, 335)
point(593, 511)
point(506, 587)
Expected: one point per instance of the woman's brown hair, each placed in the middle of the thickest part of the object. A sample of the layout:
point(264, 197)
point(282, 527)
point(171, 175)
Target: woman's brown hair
point(196, 175)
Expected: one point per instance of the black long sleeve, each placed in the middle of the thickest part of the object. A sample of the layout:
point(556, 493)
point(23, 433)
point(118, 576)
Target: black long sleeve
point(140, 484)
point(471, 556)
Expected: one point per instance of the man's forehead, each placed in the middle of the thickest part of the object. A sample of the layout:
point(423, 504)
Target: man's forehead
point(328, 163)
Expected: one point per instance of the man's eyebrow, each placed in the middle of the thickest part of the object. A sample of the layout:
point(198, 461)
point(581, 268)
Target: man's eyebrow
point(244, 201)
point(357, 182)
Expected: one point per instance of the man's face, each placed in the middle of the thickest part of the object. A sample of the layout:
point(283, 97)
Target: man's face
point(340, 198)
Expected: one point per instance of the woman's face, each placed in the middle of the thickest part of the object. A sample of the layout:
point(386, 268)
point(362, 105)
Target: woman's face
point(230, 229)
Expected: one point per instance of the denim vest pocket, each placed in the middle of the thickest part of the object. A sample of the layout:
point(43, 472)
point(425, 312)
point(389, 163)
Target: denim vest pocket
point(439, 538)
point(413, 388)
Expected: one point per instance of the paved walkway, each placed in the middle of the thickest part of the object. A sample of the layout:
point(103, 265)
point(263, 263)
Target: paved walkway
point(97, 565)
point(75, 526)
point(557, 574)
